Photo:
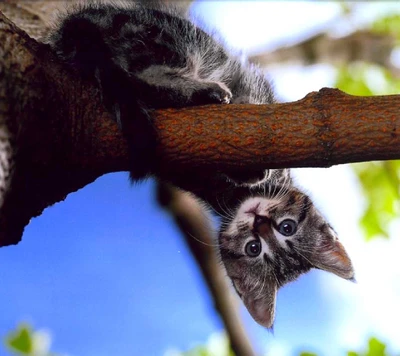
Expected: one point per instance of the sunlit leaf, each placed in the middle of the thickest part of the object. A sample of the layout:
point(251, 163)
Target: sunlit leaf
point(380, 183)
point(352, 79)
point(364, 79)
point(352, 353)
point(376, 348)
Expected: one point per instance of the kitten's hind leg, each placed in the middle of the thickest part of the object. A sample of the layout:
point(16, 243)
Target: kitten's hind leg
point(132, 116)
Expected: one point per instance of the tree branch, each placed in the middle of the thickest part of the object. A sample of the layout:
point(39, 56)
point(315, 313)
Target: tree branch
point(66, 139)
point(325, 128)
point(362, 45)
point(195, 226)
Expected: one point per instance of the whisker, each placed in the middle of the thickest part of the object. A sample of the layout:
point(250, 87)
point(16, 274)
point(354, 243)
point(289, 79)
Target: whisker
point(225, 210)
point(202, 242)
point(301, 254)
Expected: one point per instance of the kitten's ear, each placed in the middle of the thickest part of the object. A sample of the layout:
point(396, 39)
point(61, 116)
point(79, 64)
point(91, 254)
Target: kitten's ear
point(331, 256)
point(260, 303)
point(278, 176)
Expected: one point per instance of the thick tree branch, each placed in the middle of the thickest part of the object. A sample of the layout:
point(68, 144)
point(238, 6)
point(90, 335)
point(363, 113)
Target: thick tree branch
point(66, 139)
point(325, 128)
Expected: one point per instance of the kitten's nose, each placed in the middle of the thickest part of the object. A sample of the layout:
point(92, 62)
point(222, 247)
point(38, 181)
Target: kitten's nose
point(263, 227)
point(260, 220)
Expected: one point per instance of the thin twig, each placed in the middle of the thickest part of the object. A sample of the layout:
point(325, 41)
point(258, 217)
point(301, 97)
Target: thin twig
point(196, 229)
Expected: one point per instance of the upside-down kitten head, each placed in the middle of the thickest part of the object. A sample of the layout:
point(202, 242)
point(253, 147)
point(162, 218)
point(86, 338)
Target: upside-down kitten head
point(275, 235)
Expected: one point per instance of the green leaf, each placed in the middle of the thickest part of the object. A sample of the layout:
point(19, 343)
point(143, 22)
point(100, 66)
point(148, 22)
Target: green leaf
point(20, 340)
point(352, 79)
point(376, 348)
point(364, 79)
point(380, 182)
point(308, 354)
point(387, 25)
point(352, 353)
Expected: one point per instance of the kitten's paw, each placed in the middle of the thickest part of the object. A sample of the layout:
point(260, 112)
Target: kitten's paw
point(214, 93)
point(220, 94)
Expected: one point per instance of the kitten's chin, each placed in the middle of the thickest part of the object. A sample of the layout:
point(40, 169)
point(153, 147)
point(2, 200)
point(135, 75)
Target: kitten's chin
point(261, 304)
point(262, 311)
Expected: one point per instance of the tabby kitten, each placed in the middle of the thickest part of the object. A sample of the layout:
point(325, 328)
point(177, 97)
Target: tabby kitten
point(145, 56)
point(273, 236)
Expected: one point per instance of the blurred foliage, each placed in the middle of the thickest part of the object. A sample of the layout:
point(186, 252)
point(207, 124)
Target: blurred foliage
point(24, 341)
point(359, 78)
point(217, 345)
point(375, 348)
point(380, 183)
point(21, 340)
point(388, 25)
point(379, 180)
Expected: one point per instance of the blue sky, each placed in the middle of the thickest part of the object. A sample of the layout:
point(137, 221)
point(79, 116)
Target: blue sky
point(108, 273)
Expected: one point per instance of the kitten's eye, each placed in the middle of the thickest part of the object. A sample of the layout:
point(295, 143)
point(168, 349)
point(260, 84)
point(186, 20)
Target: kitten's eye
point(253, 248)
point(287, 227)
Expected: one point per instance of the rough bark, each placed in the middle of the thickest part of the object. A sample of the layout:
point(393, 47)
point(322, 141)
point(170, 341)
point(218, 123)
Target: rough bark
point(325, 128)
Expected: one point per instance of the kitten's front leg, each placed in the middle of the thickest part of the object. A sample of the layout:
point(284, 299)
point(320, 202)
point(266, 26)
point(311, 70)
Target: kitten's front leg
point(212, 93)
point(132, 116)
point(129, 98)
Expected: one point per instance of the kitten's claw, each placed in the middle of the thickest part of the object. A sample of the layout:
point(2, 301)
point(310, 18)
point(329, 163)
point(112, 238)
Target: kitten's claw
point(215, 93)
point(220, 98)
point(222, 94)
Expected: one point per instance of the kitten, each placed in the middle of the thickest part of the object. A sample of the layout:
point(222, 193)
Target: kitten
point(272, 237)
point(147, 57)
